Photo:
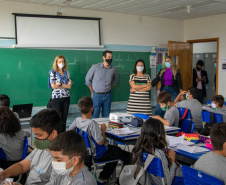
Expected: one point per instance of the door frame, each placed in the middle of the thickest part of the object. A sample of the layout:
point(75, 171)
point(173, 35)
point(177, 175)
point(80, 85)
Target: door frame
point(210, 40)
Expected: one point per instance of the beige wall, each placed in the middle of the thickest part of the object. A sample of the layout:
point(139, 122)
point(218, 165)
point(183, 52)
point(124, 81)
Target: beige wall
point(210, 27)
point(115, 28)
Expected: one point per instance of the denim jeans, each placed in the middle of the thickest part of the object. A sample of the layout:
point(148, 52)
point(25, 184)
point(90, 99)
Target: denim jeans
point(173, 93)
point(101, 101)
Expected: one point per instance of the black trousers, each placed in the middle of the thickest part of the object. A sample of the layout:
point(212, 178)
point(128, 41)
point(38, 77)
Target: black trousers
point(62, 106)
point(113, 152)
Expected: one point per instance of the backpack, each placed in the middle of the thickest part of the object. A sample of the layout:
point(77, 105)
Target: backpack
point(49, 84)
point(137, 122)
point(143, 177)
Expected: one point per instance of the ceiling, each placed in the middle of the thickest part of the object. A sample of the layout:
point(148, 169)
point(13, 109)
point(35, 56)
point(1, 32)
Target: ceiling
point(173, 9)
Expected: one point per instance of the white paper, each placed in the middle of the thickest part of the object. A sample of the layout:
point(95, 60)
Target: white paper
point(192, 149)
point(152, 61)
point(121, 131)
point(174, 141)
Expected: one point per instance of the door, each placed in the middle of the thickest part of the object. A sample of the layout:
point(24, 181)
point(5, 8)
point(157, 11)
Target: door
point(182, 52)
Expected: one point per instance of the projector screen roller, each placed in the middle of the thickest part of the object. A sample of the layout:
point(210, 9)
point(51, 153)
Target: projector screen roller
point(57, 30)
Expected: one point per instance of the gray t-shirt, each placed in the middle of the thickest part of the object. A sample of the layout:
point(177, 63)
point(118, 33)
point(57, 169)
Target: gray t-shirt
point(172, 116)
point(41, 167)
point(92, 128)
point(13, 146)
point(196, 111)
point(83, 177)
point(212, 164)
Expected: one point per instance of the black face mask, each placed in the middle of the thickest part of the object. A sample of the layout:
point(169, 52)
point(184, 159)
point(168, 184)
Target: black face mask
point(109, 61)
point(198, 68)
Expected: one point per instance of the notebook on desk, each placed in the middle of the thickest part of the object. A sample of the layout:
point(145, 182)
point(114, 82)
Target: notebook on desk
point(23, 110)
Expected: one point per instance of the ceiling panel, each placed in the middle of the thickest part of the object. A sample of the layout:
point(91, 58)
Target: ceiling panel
point(175, 9)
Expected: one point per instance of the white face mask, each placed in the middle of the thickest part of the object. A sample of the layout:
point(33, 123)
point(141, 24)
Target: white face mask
point(60, 168)
point(61, 65)
point(140, 68)
point(213, 105)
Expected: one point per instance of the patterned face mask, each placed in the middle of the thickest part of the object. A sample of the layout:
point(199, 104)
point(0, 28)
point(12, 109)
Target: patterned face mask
point(165, 108)
point(41, 144)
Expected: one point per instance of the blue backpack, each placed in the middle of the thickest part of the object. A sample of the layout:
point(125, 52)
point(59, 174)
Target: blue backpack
point(49, 84)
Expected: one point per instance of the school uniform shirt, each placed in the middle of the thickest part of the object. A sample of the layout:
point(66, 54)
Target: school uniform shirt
point(59, 93)
point(212, 164)
point(195, 108)
point(83, 177)
point(92, 128)
point(41, 167)
point(13, 146)
point(172, 116)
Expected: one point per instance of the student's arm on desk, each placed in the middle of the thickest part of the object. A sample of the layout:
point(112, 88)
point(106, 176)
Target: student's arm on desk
point(16, 169)
point(165, 122)
point(102, 128)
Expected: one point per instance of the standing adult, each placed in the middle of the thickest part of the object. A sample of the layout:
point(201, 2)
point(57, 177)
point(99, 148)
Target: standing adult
point(170, 79)
point(200, 79)
point(100, 79)
point(140, 82)
point(60, 81)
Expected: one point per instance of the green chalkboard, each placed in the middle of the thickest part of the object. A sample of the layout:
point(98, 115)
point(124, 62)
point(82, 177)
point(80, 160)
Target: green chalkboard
point(24, 73)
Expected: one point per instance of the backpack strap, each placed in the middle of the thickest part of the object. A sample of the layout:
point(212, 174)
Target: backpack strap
point(146, 164)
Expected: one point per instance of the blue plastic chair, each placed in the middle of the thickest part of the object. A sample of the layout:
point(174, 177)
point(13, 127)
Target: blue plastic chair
point(195, 177)
point(181, 113)
point(187, 126)
point(155, 167)
point(2, 154)
point(96, 164)
point(143, 116)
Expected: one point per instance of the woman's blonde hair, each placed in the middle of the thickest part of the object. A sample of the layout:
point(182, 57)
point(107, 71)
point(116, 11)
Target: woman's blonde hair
point(55, 66)
point(173, 67)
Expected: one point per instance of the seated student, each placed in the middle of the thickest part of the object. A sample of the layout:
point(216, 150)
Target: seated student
point(5, 101)
point(171, 117)
point(218, 103)
point(97, 139)
point(11, 137)
point(68, 151)
point(45, 125)
point(214, 163)
point(192, 104)
point(152, 140)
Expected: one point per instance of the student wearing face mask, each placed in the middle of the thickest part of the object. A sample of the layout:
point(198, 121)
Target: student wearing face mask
point(68, 151)
point(200, 79)
point(100, 79)
point(170, 79)
point(60, 81)
point(140, 82)
point(45, 125)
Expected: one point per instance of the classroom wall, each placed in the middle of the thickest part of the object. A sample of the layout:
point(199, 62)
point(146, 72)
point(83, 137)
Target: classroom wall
point(205, 47)
point(115, 28)
point(210, 27)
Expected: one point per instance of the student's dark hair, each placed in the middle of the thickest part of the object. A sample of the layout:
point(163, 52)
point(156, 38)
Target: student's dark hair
point(84, 104)
point(153, 136)
point(105, 53)
point(219, 99)
point(194, 92)
point(70, 143)
point(47, 120)
point(164, 97)
point(4, 100)
point(9, 123)
point(218, 135)
point(200, 62)
point(135, 66)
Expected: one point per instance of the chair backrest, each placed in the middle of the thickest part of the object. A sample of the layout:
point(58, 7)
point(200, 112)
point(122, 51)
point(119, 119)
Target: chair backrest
point(181, 113)
point(2, 154)
point(206, 117)
point(25, 148)
point(84, 135)
point(187, 126)
point(139, 115)
point(155, 167)
point(218, 118)
point(195, 177)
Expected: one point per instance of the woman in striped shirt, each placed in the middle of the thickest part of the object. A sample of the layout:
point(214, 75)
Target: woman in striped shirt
point(140, 82)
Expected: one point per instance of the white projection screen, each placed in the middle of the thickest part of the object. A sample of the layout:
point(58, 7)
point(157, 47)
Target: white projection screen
point(56, 31)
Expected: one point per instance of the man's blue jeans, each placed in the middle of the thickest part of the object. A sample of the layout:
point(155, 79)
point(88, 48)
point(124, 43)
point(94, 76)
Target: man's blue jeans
point(101, 101)
point(173, 93)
